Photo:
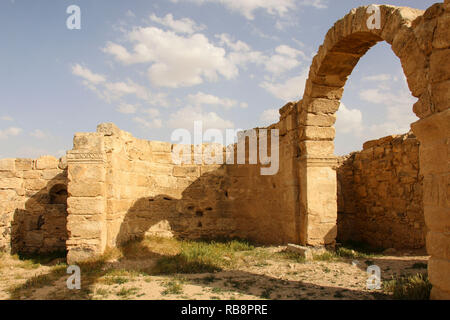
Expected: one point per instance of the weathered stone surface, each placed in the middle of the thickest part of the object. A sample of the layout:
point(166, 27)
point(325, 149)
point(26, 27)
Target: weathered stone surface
point(7, 164)
point(121, 188)
point(381, 191)
point(46, 162)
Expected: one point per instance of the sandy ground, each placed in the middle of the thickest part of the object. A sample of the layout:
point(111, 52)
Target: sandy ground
point(272, 279)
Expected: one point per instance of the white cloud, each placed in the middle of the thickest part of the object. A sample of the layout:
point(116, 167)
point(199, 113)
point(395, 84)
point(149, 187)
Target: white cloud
point(149, 124)
point(127, 108)
point(273, 7)
point(10, 132)
point(349, 121)
point(185, 117)
point(184, 25)
point(87, 74)
point(290, 90)
point(176, 61)
point(378, 77)
point(397, 105)
point(201, 99)
point(130, 14)
point(270, 116)
point(225, 39)
point(6, 118)
point(152, 112)
point(113, 91)
point(318, 4)
point(284, 60)
point(38, 134)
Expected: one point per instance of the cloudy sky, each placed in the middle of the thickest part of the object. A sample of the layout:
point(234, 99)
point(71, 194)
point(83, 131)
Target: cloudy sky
point(152, 66)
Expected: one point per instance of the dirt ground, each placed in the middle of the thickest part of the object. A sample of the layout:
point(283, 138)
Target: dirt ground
point(264, 274)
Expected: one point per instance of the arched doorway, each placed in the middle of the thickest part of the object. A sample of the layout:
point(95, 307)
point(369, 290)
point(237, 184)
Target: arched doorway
point(420, 40)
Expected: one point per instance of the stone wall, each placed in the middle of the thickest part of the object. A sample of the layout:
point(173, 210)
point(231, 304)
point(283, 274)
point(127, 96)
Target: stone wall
point(33, 212)
point(122, 188)
point(380, 194)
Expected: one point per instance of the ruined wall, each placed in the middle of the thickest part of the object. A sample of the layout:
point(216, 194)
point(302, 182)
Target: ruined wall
point(380, 194)
point(122, 188)
point(266, 206)
point(33, 212)
point(147, 194)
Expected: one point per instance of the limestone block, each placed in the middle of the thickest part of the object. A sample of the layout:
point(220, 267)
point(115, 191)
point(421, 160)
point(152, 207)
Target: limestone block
point(32, 174)
point(93, 142)
point(160, 169)
point(317, 148)
point(51, 174)
point(303, 251)
point(46, 162)
point(8, 195)
point(87, 173)
point(10, 183)
point(7, 164)
point(160, 147)
point(320, 105)
point(24, 164)
point(86, 189)
point(85, 206)
point(35, 184)
point(318, 91)
point(319, 119)
point(109, 129)
point(90, 229)
point(165, 158)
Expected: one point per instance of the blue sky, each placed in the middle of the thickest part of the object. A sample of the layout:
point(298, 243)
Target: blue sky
point(154, 66)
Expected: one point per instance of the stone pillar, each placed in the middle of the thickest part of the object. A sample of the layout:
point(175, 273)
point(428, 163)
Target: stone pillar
point(434, 136)
point(318, 200)
point(86, 203)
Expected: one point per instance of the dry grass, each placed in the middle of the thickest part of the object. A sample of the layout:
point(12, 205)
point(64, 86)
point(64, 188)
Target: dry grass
point(415, 287)
point(160, 268)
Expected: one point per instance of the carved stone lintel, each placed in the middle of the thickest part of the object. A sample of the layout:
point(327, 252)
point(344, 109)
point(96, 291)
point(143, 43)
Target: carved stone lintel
point(309, 161)
point(85, 156)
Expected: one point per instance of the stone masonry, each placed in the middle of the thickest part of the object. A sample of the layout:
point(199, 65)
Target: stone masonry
point(380, 194)
point(33, 205)
point(121, 188)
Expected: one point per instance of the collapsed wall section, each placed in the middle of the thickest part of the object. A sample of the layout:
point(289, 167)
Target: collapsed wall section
point(33, 212)
point(380, 194)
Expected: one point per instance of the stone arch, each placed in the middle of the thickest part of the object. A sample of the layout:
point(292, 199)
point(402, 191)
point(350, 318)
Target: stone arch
point(418, 38)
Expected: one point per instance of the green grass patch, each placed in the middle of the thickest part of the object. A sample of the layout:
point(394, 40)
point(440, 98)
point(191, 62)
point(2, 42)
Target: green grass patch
point(291, 256)
point(201, 257)
point(172, 287)
point(128, 292)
